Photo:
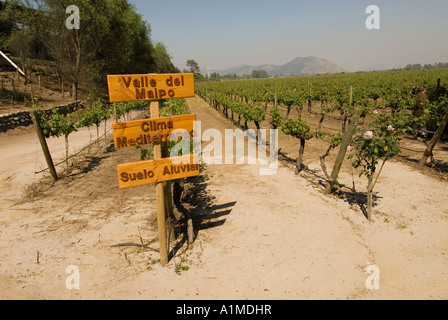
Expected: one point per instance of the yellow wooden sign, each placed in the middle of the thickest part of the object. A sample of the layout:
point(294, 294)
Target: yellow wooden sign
point(151, 131)
point(150, 87)
point(147, 172)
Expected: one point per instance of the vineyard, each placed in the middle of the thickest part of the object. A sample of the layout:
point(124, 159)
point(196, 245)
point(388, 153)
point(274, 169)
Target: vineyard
point(165, 151)
point(364, 116)
point(350, 148)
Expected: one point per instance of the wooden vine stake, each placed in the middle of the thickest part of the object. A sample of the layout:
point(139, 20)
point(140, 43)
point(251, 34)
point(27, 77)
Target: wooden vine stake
point(160, 196)
point(343, 150)
point(156, 131)
point(342, 153)
point(432, 144)
point(43, 143)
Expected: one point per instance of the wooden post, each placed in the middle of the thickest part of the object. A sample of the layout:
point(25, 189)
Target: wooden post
point(275, 97)
point(342, 152)
point(432, 144)
point(369, 198)
point(167, 185)
point(169, 204)
point(351, 97)
point(25, 92)
point(160, 196)
point(309, 99)
point(13, 89)
point(184, 89)
point(169, 207)
point(43, 143)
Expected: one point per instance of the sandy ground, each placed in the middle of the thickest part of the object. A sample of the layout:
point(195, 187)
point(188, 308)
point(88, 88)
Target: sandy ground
point(258, 237)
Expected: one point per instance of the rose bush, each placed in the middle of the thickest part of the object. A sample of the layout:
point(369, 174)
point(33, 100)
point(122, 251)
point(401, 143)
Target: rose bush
point(379, 144)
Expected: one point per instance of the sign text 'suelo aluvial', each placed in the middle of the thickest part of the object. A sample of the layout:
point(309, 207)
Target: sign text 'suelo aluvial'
point(148, 172)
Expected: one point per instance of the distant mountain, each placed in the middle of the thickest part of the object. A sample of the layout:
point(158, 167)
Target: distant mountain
point(297, 67)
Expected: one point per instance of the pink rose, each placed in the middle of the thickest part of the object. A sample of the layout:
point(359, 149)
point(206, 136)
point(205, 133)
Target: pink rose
point(390, 128)
point(350, 149)
point(368, 135)
point(376, 112)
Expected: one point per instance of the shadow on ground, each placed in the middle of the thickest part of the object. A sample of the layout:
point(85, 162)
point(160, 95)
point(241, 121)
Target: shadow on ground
point(196, 203)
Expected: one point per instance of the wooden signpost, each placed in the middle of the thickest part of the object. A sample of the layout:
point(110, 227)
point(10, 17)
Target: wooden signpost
point(156, 130)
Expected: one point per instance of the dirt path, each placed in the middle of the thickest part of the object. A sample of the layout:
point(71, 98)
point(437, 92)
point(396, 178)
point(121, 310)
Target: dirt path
point(259, 237)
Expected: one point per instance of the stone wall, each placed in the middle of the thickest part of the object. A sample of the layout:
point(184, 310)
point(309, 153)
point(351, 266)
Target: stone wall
point(23, 118)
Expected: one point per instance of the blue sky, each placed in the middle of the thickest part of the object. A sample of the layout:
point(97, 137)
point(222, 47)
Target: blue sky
point(225, 33)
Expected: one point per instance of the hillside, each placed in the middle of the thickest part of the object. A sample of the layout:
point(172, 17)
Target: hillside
point(17, 95)
point(298, 66)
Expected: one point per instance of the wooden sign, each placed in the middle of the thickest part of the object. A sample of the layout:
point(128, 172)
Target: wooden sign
point(123, 88)
point(147, 172)
point(151, 131)
point(154, 87)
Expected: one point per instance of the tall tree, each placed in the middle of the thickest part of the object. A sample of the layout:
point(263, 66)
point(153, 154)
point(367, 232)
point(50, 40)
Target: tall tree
point(112, 38)
point(163, 60)
point(71, 49)
point(258, 74)
point(18, 34)
point(194, 66)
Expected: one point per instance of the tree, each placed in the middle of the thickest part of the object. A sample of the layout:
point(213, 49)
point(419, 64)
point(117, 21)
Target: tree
point(194, 66)
point(21, 44)
point(163, 60)
point(71, 49)
point(122, 44)
point(18, 33)
point(259, 74)
point(112, 39)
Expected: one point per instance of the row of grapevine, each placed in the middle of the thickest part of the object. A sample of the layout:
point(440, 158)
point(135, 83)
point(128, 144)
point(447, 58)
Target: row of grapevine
point(413, 94)
point(395, 91)
point(390, 105)
point(57, 124)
